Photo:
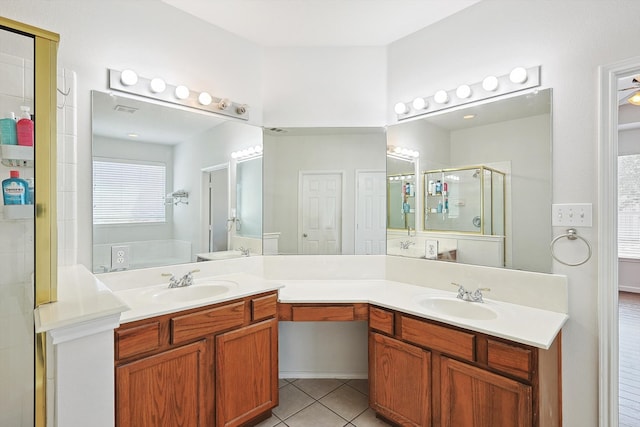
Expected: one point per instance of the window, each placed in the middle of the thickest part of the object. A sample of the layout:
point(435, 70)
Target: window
point(127, 192)
point(629, 206)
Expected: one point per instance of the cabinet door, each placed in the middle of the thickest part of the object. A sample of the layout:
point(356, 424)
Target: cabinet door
point(246, 373)
point(472, 397)
point(400, 381)
point(163, 390)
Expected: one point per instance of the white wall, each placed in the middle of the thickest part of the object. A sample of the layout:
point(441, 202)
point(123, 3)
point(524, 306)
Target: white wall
point(570, 39)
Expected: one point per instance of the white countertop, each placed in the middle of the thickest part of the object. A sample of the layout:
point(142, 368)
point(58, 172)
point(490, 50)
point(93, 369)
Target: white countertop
point(526, 325)
point(156, 300)
point(82, 297)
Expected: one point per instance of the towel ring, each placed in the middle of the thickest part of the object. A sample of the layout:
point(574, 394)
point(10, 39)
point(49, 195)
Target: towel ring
point(572, 234)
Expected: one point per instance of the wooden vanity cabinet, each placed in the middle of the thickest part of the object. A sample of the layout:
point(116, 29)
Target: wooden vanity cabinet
point(210, 366)
point(464, 379)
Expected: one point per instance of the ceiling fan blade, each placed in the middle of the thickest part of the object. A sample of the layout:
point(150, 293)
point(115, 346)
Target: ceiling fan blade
point(629, 88)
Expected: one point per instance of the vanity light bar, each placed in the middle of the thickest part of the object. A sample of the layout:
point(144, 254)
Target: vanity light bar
point(402, 153)
point(156, 88)
point(247, 153)
point(518, 79)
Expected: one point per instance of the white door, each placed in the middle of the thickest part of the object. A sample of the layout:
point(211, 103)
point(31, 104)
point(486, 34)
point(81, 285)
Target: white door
point(371, 196)
point(320, 221)
point(218, 209)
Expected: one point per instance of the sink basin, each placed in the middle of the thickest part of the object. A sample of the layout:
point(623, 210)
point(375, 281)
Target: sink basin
point(458, 308)
point(188, 293)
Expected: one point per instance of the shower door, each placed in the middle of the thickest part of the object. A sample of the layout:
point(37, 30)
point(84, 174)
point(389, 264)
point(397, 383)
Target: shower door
point(17, 230)
point(28, 237)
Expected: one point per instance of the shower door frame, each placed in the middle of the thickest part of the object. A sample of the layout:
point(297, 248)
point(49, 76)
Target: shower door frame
point(46, 239)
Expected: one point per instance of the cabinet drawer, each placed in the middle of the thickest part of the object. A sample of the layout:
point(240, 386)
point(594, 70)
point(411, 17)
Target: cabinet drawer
point(263, 307)
point(509, 358)
point(439, 338)
point(137, 340)
point(207, 322)
point(381, 320)
point(323, 313)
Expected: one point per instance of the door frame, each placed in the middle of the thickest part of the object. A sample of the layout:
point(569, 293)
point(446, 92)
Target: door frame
point(607, 237)
point(301, 174)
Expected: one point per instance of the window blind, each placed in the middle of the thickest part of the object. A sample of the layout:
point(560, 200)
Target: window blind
point(629, 206)
point(127, 192)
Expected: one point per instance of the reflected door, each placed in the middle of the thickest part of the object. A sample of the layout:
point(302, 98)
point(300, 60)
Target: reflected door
point(320, 213)
point(371, 233)
point(218, 209)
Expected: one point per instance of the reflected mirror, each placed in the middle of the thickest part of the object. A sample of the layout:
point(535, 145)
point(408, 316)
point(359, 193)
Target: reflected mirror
point(484, 189)
point(172, 185)
point(401, 191)
point(324, 190)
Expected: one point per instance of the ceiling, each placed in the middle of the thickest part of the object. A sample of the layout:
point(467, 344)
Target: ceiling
point(313, 23)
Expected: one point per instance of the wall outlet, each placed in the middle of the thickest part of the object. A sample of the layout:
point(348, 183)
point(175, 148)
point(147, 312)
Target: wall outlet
point(431, 249)
point(572, 215)
point(120, 257)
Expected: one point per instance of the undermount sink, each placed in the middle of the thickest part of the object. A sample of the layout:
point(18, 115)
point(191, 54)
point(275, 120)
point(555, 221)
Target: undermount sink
point(458, 308)
point(188, 293)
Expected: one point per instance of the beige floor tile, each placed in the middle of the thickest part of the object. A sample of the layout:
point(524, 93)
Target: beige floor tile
point(282, 382)
point(368, 419)
point(316, 415)
point(361, 385)
point(270, 422)
point(291, 400)
point(346, 402)
point(317, 387)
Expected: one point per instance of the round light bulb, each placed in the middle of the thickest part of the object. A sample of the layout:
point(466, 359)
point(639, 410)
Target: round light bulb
point(419, 104)
point(234, 155)
point(258, 148)
point(157, 85)
point(518, 75)
point(415, 154)
point(397, 150)
point(441, 97)
point(463, 91)
point(490, 83)
point(128, 77)
point(182, 92)
point(401, 108)
point(204, 98)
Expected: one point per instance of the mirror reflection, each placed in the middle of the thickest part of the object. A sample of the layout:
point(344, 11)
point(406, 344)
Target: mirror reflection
point(172, 185)
point(484, 193)
point(401, 192)
point(325, 190)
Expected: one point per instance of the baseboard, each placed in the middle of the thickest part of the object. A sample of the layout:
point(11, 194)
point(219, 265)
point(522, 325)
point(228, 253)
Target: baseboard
point(323, 375)
point(634, 289)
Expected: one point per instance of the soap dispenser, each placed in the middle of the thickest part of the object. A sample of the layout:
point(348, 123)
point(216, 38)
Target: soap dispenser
point(15, 190)
point(24, 127)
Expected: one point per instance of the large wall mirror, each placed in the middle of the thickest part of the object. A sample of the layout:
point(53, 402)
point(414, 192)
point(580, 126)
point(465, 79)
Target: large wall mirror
point(325, 190)
point(172, 185)
point(483, 192)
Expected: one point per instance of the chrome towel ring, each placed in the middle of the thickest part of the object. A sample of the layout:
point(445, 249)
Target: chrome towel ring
point(572, 234)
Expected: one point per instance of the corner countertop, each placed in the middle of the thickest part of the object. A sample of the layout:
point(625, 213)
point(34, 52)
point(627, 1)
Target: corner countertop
point(518, 323)
point(81, 298)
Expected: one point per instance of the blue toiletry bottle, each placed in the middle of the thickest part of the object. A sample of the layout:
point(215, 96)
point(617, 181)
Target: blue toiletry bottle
point(8, 135)
point(15, 191)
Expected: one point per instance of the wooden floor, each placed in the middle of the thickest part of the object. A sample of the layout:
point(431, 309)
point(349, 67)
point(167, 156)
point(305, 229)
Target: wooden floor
point(629, 306)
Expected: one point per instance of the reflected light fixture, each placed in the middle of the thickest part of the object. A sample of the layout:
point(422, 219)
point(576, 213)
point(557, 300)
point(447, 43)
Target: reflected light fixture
point(468, 116)
point(635, 98)
point(247, 153)
point(128, 78)
point(157, 85)
point(223, 104)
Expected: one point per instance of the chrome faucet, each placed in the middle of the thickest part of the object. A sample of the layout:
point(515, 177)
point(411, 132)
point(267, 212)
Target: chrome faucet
point(405, 244)
point(465, 295)
point(245, 252)
point(186, 280)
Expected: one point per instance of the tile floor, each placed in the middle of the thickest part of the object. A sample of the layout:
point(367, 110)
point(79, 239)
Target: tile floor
point(323, 403)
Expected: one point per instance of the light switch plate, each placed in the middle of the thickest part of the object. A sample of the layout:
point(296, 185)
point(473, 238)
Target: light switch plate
point(572, 215)
point(120, 257)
